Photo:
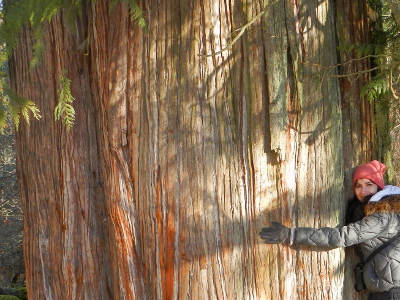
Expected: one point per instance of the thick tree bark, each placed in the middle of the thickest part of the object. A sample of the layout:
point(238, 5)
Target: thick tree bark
point(178, 159)
point(395, 9)
point(66, 247)
point(357, 115)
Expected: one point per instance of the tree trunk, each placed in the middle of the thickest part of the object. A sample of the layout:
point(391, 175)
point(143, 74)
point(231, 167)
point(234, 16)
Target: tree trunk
point(395, 9)
point(357, 114)
point(178, 159)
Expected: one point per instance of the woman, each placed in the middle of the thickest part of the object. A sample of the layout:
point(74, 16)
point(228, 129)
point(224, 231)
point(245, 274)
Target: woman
point(372, 225)
point(367, 180)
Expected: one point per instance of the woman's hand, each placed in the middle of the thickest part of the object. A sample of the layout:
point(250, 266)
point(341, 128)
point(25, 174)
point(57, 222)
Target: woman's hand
point(275, 235)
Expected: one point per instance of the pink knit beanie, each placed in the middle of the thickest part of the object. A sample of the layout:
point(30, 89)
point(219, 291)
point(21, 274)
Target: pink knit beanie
point(373, 171)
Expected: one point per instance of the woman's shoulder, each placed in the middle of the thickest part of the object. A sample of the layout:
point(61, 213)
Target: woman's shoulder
point(388, 204)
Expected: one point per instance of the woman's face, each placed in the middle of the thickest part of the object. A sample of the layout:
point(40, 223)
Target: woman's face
point(364, 187)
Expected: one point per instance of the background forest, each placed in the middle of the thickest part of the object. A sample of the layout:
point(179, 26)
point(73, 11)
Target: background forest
point(11, 223)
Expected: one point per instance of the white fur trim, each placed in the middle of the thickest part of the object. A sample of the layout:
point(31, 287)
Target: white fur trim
point(387, 190)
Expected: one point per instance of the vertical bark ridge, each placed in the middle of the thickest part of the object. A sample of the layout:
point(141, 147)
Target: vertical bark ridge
point(112, 59)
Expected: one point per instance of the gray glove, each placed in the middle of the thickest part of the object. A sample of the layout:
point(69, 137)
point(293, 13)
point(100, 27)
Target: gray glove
point(275, 235)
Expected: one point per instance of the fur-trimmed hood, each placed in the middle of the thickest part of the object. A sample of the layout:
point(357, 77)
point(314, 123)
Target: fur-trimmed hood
point(389, 204)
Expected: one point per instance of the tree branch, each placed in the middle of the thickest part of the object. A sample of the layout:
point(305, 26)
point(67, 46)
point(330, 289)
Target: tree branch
point(342, 64)
point(391, 85)
point(394, 128)
point(242, 30)
point(386, 66)
point(395, 8)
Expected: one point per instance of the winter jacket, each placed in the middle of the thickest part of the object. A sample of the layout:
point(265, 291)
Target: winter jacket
point(382, 222)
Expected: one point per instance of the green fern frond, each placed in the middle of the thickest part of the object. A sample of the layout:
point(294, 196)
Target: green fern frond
point(347, 48)
point(137, 14)
point(38, 46)
point(16, 15)
point(377, 87)
point(3, 118)
point(34, 13)
point(17, 105)
point(363, 49)
point(369, 49)
point(114, 3)
point(72, 8)
point(64, 109)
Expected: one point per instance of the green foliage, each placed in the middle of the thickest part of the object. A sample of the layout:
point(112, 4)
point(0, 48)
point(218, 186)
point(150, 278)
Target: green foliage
point(64, 109)
point(38, 47)
point(33, 14)
point(13, 106)
point(137, 14)
point(363, 49)
point(376, 88)
point(72, 8)
point(3, 118)
point(8, 297)
point(17, 106)
point(22, 293)
point(385, 53)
